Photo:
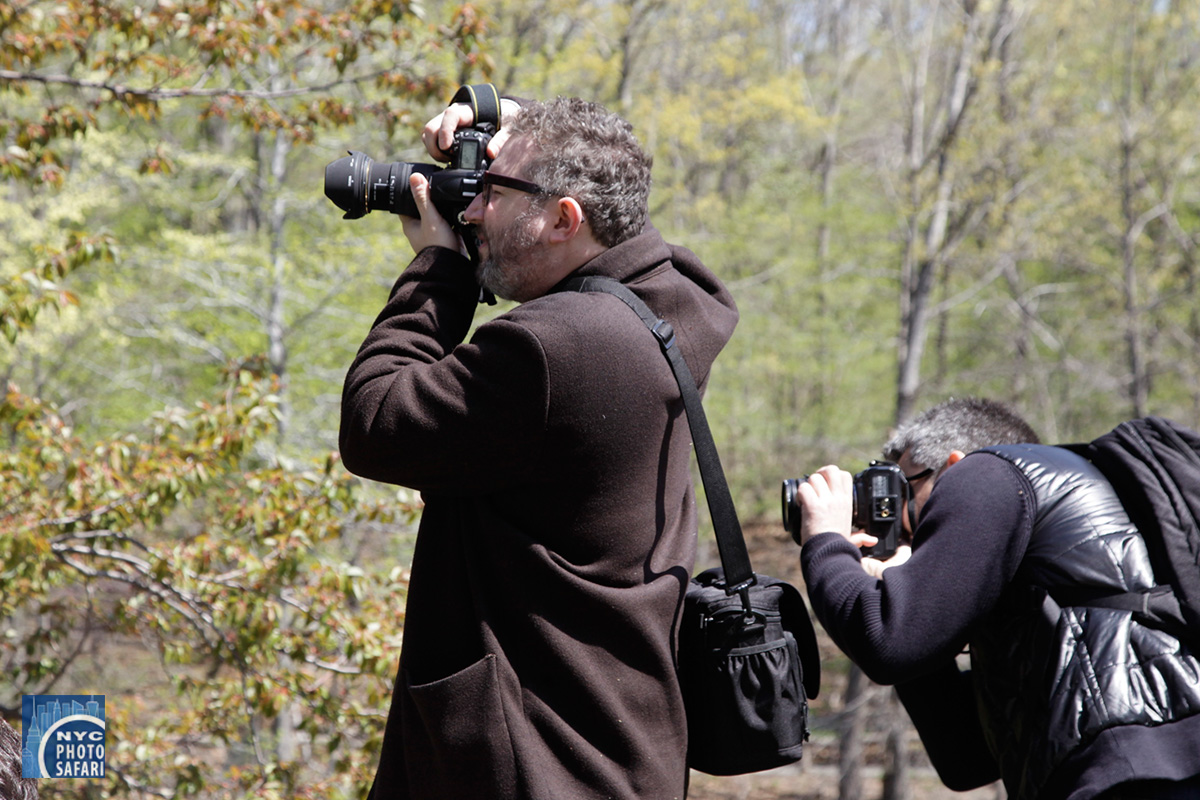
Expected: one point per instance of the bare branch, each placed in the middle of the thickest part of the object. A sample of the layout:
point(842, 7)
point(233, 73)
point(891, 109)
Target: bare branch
point(121, 90)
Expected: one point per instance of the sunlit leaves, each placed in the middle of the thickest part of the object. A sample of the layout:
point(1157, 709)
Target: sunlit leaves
point(124, 61)
point(26, 294)
point(229, 567)
point(232, 598)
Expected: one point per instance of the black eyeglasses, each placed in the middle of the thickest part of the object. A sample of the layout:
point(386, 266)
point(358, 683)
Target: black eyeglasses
point(496, 179)
point(916, 476)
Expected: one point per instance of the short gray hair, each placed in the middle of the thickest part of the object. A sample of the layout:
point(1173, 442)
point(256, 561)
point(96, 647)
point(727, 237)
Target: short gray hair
point(581, 150)
point(964, 424)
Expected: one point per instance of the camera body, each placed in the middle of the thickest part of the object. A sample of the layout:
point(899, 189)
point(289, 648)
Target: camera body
point(358, 185)
point(880, 493)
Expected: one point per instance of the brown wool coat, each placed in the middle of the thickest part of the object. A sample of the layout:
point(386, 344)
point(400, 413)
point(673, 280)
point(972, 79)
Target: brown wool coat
point(559, 528)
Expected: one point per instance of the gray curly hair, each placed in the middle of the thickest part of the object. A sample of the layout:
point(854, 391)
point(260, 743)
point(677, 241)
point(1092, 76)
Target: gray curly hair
point(581, 150)
point(964, 424)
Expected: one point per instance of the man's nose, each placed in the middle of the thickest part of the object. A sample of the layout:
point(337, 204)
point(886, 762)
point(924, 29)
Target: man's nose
point(474, 212)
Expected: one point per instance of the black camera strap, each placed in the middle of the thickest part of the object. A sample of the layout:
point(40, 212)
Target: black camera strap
point(735, 560)
point(484, 101)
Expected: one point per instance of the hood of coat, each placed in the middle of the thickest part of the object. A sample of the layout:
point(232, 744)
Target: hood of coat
point(677, 286)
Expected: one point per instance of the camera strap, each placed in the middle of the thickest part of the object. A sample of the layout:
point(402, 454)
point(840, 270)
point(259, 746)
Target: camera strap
point(484, 101)
point(735, 560)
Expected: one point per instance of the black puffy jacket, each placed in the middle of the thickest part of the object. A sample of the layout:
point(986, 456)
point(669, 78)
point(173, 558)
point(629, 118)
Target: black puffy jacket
point(1092, 668)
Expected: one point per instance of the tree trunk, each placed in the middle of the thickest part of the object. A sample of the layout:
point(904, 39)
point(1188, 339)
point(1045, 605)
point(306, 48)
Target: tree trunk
point(896, 784)
point(850, 782)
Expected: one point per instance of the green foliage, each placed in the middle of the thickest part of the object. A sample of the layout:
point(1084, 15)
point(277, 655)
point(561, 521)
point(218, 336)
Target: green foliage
point(157, 548)
point(198, 116)
point(816, 155)
point(174, 530)
point(26, 294)
point(230, 569)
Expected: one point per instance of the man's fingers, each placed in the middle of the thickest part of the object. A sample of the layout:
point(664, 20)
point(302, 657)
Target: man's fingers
point(829, 478)
point(450, 124)
point(420, 192)
point(431, 230)
point(863, 540)
point(438, 135)
point(493, 148)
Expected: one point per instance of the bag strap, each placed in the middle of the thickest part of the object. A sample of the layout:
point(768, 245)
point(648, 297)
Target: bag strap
point(1157, 607)
point(735, 560)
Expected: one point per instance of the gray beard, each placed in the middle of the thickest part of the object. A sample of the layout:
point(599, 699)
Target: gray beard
point(511, 258)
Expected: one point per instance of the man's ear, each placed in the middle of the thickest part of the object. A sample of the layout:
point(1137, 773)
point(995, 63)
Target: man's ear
point(568, 219)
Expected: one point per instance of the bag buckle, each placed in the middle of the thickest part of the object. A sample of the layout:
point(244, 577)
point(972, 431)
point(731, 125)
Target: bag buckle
point(742, 590)
point(665, 334)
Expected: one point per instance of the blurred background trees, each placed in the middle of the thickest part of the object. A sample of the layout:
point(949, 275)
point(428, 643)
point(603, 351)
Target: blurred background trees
point(911, 199)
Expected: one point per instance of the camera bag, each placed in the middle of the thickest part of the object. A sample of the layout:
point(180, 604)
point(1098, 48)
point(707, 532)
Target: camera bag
point(748, 656)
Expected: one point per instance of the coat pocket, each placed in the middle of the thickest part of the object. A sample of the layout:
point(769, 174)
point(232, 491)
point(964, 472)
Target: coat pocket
point(470, 747)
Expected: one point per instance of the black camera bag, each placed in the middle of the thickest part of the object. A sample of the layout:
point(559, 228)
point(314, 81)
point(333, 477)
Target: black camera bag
point(745, 675)
point(747, 650)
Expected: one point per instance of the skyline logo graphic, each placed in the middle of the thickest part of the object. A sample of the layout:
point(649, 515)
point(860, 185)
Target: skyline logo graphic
point(62, 736)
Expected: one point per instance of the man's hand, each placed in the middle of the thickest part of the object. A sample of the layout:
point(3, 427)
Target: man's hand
point(438, 135)
point(827, 503)
point(875, 568)
point(431, 230)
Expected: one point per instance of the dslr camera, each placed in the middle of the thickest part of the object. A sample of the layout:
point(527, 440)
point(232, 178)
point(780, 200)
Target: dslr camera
point(880, 495)
point(358, 186)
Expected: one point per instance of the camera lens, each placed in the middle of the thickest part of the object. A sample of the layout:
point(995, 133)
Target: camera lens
point(346, 183)
point(791, 508)
point(357, 185)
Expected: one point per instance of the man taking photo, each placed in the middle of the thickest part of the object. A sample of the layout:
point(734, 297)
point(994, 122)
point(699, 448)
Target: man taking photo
point(1061, 700)
point(552, 454)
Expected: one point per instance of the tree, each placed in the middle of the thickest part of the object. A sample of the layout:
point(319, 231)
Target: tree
point(230, 600)
point(225, 564)
point(171, 547)
point(942, 87)
point(1156, 153)
point(185, 126)
point(908, 200)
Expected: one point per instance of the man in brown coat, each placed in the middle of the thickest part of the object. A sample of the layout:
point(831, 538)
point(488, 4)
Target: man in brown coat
point(551, 450)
